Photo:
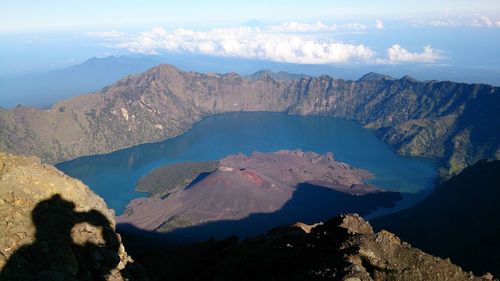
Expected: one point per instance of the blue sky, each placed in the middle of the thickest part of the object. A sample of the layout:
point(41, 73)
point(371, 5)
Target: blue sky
point(35, 15)
point(44, 35)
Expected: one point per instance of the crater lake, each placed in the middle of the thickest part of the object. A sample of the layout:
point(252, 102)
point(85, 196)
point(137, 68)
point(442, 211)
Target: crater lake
point(114, 176)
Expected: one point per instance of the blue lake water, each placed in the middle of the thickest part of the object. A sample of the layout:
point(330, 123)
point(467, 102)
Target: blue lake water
point(113, 176)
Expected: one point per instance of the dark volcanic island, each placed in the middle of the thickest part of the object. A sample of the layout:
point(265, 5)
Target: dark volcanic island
point(247, 195)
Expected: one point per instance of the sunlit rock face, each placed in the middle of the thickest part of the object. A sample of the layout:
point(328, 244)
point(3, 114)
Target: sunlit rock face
point(455, 122)
point(53, 227)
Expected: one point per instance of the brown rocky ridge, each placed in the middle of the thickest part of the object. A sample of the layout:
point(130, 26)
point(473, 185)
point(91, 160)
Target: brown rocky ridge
point(454, 122)
point(53, 227)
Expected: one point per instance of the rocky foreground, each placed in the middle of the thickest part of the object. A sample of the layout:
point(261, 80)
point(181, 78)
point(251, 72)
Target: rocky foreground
point(344, 248)
point(454, 122)
point(53, 227)
point(244, 185)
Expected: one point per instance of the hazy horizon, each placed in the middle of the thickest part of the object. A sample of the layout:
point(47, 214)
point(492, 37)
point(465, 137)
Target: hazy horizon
point(449, 40)
point(451, 33)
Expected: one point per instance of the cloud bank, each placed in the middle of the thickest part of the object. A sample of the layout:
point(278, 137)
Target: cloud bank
point(397, 54)
point(298, 27)
point(475, 22)
point(290, 42)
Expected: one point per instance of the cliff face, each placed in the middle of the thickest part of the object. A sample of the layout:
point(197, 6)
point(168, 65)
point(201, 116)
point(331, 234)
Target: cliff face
point(460, 220)
point(53, 227)
point(344, 248)
point(453, 121)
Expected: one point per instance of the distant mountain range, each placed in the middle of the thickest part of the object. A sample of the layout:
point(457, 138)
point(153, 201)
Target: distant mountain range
point(44, 89)
point(279, 76)
point(455, 122)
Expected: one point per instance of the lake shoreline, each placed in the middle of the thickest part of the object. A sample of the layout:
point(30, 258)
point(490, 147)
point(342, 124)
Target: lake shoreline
point(349, 141)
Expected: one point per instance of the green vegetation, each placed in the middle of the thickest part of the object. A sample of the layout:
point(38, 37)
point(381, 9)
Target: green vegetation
point(172, 223)
point(163, 180)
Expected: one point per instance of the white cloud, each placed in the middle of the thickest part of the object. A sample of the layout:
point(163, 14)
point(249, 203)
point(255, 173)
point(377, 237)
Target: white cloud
point(301, 27)
point(291, 42)
point(489, 22)
point(477, 22)
point(298, 27)
point(397, 54)
point(248, 42)
point(379, 24)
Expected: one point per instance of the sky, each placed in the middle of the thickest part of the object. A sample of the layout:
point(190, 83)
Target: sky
point(43, 35)
point(35, 15)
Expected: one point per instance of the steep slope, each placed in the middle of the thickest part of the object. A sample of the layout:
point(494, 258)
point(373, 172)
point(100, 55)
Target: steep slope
point(460, 220)
point(162, 103)
point(452, 121)
point(344, 248)
point(53, 227)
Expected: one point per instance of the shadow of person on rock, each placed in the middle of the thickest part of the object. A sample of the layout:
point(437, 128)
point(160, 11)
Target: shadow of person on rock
point(62, 251)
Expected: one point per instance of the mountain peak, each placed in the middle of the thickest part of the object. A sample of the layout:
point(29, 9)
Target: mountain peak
point(278, 76)
point(260, 74)
point(372, 76)
point(408, 78)
point(164, 67)
point(253, 23)
point(162, 70)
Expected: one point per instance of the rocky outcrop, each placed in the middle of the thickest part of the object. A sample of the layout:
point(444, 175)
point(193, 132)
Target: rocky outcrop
point(53, 227)
point(460, 220)
point(455, 122)
point(344, 248)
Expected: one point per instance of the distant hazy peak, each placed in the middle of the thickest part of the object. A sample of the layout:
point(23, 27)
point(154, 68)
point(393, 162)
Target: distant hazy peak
point(262, 72)
point(372, 76)
point(254, 23)
point(280, 75)
point(408, 78)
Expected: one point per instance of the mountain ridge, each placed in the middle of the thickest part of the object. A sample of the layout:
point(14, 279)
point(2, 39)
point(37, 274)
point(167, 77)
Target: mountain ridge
point(454, 122)
point(343, 248)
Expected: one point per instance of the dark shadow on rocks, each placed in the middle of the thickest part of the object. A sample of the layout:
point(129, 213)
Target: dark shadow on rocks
point(55, 255)
point(309, 204)
point(460, 220)
point(199, 178)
